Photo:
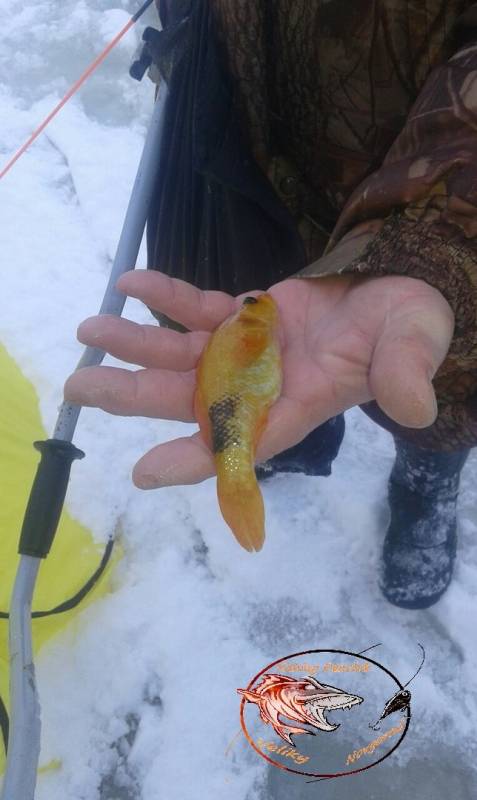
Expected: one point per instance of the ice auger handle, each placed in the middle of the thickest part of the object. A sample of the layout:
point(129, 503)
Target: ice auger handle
point(47, 496)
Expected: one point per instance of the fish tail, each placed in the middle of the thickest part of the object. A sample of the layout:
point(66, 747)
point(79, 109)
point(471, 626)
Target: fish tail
point(241, 504)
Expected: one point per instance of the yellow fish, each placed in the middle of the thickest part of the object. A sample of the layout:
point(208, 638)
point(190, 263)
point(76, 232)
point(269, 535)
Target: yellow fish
point(238, 379)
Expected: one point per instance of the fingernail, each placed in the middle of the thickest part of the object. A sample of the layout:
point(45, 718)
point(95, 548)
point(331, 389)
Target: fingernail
point(146, 482)
point(87, 329)
point(80, 398)
point(118, 287)
point(75, 392)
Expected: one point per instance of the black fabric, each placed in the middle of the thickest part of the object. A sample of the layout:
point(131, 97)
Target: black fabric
point(4, 724)
point(314, 455)
point(431, 474)
point(215, 219)
point(420, 545)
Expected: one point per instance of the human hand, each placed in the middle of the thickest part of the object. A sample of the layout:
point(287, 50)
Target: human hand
point(345, 341)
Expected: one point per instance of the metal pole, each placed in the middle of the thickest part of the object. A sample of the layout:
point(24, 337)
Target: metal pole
point(24, 737)
point(127, 251)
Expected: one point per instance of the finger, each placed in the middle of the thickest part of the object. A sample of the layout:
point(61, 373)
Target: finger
point(413, 345)
point(145, 393)
point(180, 301)
point(188, 460)
point(178, 462)
point(288, 423)
point(145, 345)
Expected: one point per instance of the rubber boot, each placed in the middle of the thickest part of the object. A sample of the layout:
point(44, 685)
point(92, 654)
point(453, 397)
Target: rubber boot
point(312, 456)
point(420, 544)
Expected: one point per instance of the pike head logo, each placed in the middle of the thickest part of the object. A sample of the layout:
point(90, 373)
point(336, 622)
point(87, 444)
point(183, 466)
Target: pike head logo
point(303, 700)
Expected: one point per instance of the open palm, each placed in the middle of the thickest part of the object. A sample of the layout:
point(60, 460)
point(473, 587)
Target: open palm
point(345, 341)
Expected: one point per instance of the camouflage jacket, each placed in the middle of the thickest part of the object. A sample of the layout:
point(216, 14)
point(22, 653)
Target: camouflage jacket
point(363, 115)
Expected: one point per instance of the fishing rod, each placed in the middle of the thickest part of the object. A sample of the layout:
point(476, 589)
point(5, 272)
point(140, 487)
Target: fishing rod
point(75, 86)
point(57, 455)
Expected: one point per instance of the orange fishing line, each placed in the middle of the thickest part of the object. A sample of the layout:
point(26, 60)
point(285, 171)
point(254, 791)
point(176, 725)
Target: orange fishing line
point(74, 88)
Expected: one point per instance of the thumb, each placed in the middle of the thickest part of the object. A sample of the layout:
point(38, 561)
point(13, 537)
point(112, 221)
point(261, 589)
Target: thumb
point(413, 344)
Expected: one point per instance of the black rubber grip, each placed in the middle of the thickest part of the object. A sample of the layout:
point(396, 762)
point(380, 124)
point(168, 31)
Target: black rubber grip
point(141, 63)
point(47, 496)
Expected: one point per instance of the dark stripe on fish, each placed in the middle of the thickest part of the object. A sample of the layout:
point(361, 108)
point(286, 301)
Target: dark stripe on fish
point(224, 430)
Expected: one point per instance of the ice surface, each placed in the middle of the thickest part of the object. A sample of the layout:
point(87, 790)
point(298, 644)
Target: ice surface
point(139, 698)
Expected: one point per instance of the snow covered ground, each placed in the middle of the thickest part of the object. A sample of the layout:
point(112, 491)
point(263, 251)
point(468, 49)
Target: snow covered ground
point(139, 701)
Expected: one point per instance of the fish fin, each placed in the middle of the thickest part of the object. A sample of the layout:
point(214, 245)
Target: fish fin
point(202, 418)
point(241, 504)
point(252, 697)
point(287, 731)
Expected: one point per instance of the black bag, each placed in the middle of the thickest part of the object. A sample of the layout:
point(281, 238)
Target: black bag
point(215, 219)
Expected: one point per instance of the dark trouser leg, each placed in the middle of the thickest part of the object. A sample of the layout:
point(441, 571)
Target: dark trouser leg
point(420, 543)
point(312, 456)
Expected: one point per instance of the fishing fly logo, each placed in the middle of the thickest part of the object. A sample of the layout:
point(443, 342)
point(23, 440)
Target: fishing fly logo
point(326, 713)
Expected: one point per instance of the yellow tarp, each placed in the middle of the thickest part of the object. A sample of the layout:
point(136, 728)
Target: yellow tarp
point(74, 555)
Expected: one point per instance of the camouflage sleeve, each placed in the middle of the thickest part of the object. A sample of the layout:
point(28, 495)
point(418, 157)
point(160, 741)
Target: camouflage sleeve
point(417, 216)
point(426, 187)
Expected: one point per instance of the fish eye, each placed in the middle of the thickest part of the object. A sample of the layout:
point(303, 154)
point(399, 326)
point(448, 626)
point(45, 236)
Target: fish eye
point(250, 300)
